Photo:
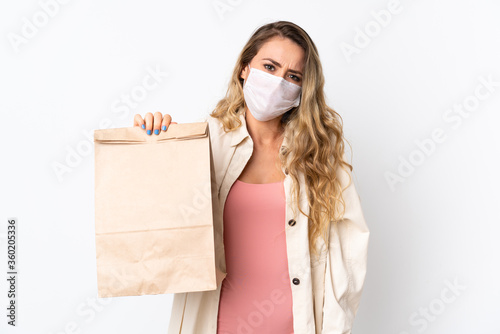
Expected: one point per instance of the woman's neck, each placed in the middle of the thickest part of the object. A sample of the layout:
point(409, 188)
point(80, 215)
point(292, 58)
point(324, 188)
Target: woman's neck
point(264, 133)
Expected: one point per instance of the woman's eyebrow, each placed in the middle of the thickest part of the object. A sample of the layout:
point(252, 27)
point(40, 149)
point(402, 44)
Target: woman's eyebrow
point(279, 65)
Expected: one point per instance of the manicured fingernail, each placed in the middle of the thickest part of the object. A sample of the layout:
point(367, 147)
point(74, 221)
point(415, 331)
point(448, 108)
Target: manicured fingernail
point(157, 131)
point(164, 128)
point(143, 126)
point(149, 132)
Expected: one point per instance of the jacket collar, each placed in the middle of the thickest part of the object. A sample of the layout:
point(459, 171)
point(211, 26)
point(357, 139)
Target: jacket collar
point(242, 132)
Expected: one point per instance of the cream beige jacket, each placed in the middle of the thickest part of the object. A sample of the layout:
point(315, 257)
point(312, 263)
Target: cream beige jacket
point(326, 293)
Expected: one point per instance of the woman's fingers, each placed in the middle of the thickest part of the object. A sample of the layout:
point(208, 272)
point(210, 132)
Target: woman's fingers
point(153, 123)
point(157, 123)
point(149, 123)
point(167, 119)
point(139, 121)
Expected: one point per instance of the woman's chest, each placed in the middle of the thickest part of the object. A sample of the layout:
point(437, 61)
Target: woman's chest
point(262, 167)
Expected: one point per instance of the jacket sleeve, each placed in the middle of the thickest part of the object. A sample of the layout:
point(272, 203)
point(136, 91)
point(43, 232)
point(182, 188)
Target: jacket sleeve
point(346, 263)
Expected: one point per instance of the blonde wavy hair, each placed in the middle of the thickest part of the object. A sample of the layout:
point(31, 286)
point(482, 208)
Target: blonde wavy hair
point(316, 145)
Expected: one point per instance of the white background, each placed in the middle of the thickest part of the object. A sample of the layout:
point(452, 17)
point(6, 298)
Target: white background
point(437, 226)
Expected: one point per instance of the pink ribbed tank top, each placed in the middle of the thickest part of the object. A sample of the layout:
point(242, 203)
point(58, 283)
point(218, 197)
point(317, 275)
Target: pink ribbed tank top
point(256, 295)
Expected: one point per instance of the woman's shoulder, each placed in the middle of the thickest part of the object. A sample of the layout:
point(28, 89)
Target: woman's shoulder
point(219, 138)
point(214, 125)
point(212, 120)
point(219, 132)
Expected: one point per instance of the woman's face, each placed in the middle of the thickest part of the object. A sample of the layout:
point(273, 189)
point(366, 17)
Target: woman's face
point(281, 57)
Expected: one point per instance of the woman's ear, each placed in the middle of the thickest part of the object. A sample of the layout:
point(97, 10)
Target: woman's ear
point(244, 73)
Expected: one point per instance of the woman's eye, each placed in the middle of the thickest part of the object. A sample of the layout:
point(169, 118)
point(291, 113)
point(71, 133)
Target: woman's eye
point(269, 66)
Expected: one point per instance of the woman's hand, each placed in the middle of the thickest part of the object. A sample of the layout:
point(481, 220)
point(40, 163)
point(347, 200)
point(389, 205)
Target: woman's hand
point(154, 123)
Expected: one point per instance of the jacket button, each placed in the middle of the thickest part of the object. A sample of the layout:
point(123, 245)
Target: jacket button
point(296, 281)
point(291, 222)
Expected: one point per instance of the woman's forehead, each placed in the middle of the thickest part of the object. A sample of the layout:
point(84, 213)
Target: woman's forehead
point(284, 51)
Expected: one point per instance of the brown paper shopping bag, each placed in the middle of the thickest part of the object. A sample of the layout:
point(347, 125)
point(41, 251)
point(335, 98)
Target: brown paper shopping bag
point(153, 211)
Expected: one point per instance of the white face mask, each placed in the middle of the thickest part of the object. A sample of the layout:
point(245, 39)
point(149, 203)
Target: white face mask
point(268, 96)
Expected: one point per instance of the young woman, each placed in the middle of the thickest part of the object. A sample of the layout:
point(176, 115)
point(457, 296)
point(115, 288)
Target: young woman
point(291, 239)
